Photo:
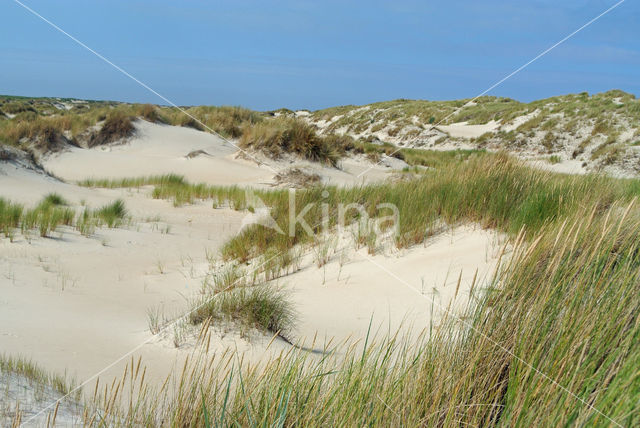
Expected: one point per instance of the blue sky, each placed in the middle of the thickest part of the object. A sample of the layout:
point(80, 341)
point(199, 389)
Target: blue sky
point(315, 54)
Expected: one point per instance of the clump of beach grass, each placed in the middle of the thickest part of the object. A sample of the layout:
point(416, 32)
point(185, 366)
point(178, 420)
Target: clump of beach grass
point(116, 127)
point(112, 214)
point(54, 199)
point(262, 307)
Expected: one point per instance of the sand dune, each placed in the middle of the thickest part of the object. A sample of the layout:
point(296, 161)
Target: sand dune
point(159, 149)
point(406, 290)
point(199, 156)
point(75, 304)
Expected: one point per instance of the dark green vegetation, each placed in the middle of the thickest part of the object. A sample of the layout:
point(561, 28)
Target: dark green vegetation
point(286, 135)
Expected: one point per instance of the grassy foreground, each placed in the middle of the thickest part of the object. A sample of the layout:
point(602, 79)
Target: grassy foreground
point(554, 340)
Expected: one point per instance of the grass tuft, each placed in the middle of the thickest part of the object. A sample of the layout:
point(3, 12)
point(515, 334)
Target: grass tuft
point(112, 214)
point(261, 307)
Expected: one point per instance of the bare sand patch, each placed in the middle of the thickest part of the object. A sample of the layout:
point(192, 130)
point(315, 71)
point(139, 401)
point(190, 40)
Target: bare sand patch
point(465, 130)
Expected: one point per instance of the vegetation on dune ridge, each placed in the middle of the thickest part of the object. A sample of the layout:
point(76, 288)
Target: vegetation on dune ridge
point(554, 125)
point(48, 124)
point(597, 130)
point(482, 110)
point(286, 135)
point(117, 126)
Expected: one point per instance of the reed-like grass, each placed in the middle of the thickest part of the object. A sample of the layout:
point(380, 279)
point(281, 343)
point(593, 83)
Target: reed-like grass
point(496, 192)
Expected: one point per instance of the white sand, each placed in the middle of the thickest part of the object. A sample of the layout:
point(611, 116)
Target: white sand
point(74, 303)
point(400, 289)
point(565, 166)
point(164, 149)
point(464, 130)
point(160, 149)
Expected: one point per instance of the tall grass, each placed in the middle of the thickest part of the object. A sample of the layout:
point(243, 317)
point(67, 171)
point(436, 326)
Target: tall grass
point(438, 159)
point(496, 192)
